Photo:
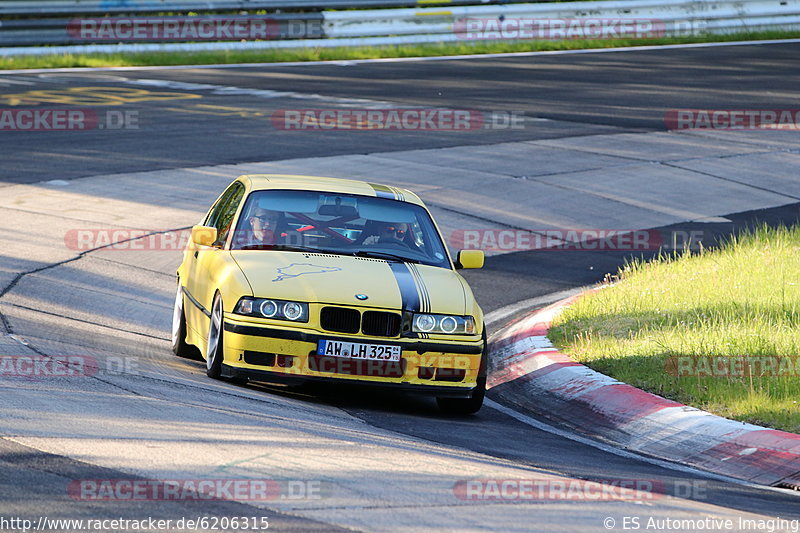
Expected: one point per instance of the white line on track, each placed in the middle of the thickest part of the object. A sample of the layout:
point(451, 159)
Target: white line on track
point(525, 419)
point(512, 309)
point(350, 62)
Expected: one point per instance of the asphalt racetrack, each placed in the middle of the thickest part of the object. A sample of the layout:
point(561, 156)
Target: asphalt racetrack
point(565, 141)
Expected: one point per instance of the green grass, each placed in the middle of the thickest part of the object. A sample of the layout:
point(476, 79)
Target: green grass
point(741, 300)
point(315, 54)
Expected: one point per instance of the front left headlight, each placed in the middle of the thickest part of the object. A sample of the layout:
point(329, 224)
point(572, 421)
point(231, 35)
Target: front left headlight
point(443, 324)
point(270, 308)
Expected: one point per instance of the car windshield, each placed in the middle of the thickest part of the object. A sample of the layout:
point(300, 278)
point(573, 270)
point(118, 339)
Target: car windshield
point(342, 224)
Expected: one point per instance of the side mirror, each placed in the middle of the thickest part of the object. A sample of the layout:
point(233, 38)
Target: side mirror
point(204, 235)
point(470, 259)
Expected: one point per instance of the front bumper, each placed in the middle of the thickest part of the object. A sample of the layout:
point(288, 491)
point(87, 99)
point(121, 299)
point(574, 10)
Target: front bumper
point(289, 355)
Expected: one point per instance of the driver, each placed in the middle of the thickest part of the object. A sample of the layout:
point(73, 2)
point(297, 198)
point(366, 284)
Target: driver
point(393, 233)
point(264, 223)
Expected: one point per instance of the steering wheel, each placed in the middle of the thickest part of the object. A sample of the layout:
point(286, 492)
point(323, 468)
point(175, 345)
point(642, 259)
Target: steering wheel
point(391, 242)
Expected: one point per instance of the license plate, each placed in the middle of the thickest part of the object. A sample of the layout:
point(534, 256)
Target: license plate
point(357, 350)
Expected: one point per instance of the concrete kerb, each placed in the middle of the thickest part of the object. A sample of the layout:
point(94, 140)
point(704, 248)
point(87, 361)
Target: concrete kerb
point(527, 372)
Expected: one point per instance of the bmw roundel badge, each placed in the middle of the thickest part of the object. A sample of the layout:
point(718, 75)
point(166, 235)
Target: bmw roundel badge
point(361, 297)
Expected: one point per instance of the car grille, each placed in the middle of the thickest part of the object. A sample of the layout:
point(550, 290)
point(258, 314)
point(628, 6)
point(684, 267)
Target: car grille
point(380, 324)
point(340, 319)
point(373, 323)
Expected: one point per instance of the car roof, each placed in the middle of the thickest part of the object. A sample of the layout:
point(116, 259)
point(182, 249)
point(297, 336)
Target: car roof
point(258, 182)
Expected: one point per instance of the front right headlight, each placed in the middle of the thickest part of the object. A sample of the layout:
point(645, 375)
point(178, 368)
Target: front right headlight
point(444, 324)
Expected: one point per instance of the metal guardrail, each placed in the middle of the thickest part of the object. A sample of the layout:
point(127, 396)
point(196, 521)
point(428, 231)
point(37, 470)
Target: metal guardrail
point(396, 26)
point(674, 17)
point(126, 7)
point(68, 31)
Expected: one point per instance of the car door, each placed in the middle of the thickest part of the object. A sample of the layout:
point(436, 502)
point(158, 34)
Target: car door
point(204, 259)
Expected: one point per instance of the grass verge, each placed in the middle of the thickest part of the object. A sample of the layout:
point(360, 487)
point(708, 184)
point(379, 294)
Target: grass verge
point(719, 330)
point(124, 59)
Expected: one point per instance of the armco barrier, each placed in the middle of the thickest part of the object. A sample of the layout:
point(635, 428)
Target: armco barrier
point(677, 17)
point(375, 27)
point(527, 372)
point(49, 8)
point(93, 30)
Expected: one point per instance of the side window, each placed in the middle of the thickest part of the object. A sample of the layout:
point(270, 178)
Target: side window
point(225, 220)
point(418, 236)
point(221, 215)
point(213, 214)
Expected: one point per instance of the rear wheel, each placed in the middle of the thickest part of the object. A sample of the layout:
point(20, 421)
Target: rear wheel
point(215, 346)
point(473, 404)
point(179, 345)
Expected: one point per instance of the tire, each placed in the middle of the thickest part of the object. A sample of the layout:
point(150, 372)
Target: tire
point(473, 404)
point(179, 345)
point(465, 406)
point(238, 380)
point(215, 344)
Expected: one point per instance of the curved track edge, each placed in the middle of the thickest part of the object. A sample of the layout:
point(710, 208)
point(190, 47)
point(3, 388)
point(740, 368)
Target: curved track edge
point(527, 372)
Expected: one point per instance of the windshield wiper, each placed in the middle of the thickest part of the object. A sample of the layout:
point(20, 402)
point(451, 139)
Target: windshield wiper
point(385, 255)
point(296, 248)
point(282, 247)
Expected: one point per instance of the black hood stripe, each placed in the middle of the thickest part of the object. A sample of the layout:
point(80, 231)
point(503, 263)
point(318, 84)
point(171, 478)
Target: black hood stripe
point(399, 194)
point(407, 285)
point(385, 191)
point(423, 289)
point(425, 303)
point(382, 191)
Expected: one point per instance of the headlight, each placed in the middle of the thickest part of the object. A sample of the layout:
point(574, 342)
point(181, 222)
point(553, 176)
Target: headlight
point(447, 324)
point(424, 323)
point(269, 308)
point(292, 310)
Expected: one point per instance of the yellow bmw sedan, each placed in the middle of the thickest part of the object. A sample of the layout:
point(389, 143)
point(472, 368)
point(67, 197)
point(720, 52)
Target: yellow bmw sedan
point(293, 279)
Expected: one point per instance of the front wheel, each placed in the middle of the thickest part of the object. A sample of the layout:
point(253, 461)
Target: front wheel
point(179, 345)
point(215, 346)
point(465, 406)
point(473, 404)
